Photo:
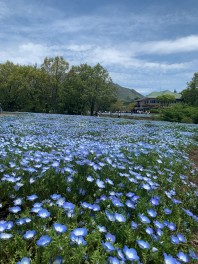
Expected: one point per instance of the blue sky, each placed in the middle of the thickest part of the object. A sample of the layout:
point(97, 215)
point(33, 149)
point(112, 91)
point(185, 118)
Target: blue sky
point(147, 45)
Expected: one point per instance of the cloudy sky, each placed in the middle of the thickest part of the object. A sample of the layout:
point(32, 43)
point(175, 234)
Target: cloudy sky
point(147, 45)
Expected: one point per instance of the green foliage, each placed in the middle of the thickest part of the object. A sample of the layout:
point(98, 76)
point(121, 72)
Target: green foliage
point(56, 69)
point(180, 113)
point(190, 95)
point(55, 88)
point(166, 99)
point(88, 88)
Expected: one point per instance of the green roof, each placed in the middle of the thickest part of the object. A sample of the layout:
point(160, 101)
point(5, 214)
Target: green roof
point(156, 94)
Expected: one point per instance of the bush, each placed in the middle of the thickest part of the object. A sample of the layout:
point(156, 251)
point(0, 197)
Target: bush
point(180, 113)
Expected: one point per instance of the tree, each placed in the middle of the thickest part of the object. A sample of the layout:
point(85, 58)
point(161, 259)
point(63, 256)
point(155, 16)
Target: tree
point(190, 95)
point(100, 90)
point(56, 68)
point(90, 87)
point(74, 97)
point(166, 99)
point(7, 85)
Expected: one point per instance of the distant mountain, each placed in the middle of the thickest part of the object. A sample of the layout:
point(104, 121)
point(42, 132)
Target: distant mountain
point(127, 95)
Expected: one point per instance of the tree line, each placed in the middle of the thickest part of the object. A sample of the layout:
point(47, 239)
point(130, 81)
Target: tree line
point(54, 87)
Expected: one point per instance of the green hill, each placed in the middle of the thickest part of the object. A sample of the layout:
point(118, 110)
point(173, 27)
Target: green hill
point(127, 95)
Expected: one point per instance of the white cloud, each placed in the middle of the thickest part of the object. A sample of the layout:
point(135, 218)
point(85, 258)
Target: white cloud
point(180, 45)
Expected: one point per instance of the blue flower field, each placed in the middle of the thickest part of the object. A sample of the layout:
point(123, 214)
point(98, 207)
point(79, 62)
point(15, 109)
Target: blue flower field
point(77, 189)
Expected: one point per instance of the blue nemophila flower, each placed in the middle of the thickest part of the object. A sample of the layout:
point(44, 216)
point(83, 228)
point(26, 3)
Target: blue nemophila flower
point(120, 254)
point(159, 232)
point(86, 205)
point(102, 229)
point(32, 197)
point(130, 204)
point(116, 201)
point(155, 200)
point(29, 234)
point(35, 209)
point(60, 201)
point(176, 201)
point(15, 209)
point(18, 186)
point(154, 249)
point(188, 212)
point(114, 260)
point(95, 207)
point(43, 241)
point(167, 211)
point(149, 230)
point(79, 240)
point(59, 228)
point(110, 216)
point(55, 164)
point(130, 253)
point(158, 224)
point(90, 179)
point(193, 255)
point(100, 184)
point(183, 257)
point(168, 259)
point(20, 221)
point(3, 226)
point(109, 181)
point(18, 201)
point(103, 197)
point(55, 196)
point(24, 260)
point(109, 237)
point(70, 214)
point(80, 231)
point(37, 204)
point(108, 246)
point(135, 198)
point(143, 244)
point(6, 225)
point(68, 206)
point(9, 225)
point(119, 217)
point(174, 239)
point(181, 238)
point(172, 226)
point(130, 194)
point(146, 186)
point(134, 225)
point(43, 213)
point(5, 236)
point(152, 212)
point(144, 219)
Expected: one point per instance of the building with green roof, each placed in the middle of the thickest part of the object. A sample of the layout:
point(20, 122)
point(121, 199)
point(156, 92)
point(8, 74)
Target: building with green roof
point(151, 100)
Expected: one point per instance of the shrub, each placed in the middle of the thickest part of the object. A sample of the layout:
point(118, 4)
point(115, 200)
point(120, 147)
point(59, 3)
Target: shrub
point(180, 113)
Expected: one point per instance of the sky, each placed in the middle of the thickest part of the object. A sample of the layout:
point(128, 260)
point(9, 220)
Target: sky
point(146, 45)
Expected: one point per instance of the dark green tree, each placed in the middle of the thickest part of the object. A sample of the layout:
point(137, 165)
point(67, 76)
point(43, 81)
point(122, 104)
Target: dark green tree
point(190, 94)
point(89, 89)
point(74, 98)
point(56, 68)
point(99, 89)
point(23, 88)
